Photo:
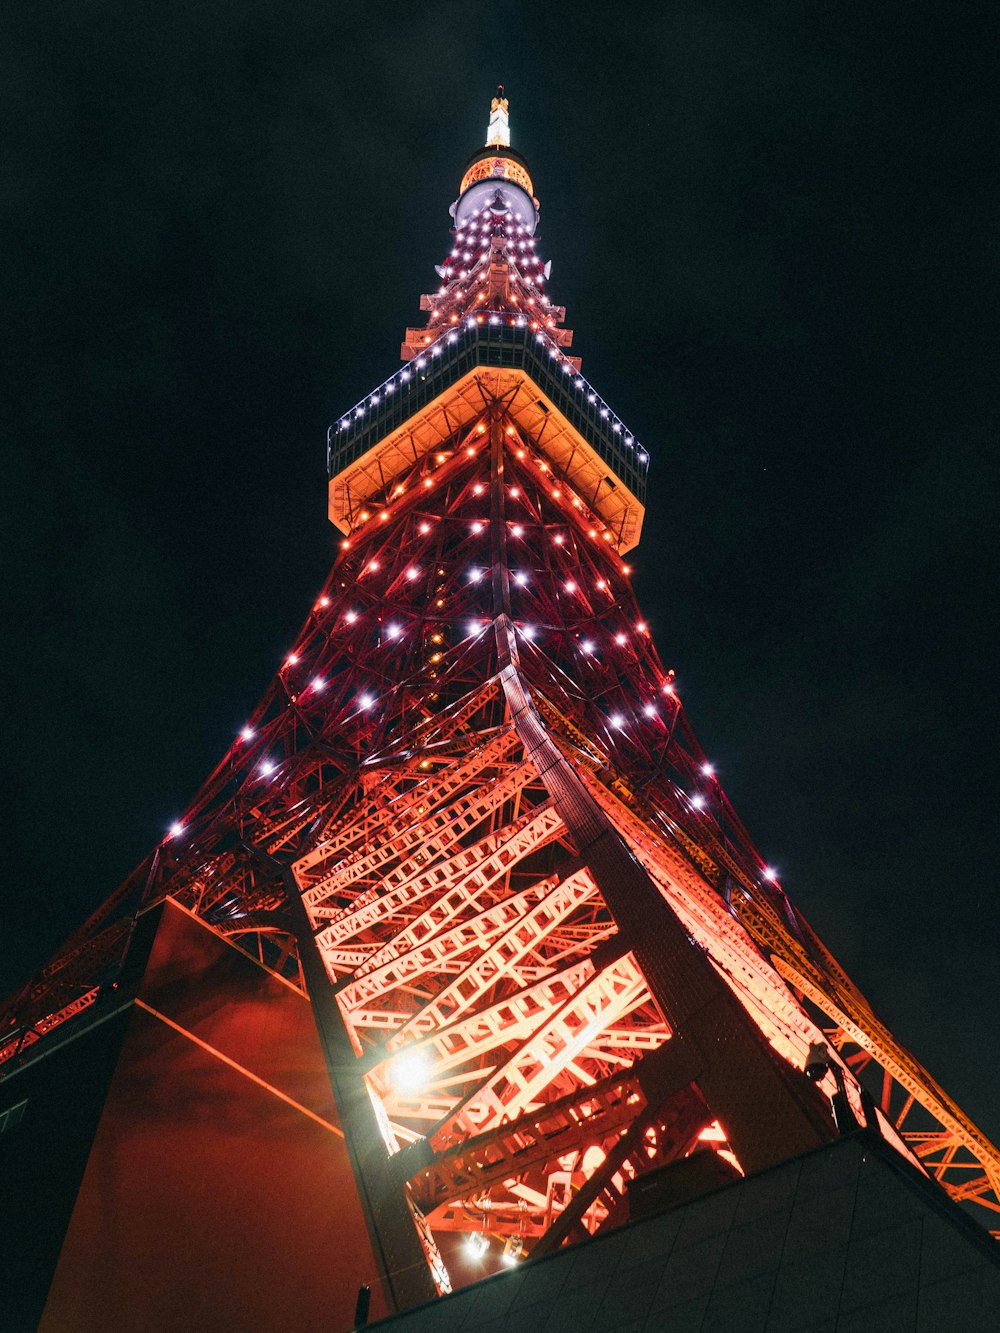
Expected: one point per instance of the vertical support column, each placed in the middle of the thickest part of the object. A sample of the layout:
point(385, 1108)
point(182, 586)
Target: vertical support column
point(769, 1111)
point(404, 1271)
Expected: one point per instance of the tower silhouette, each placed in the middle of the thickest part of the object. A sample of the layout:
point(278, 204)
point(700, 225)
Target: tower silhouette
point(470, 820)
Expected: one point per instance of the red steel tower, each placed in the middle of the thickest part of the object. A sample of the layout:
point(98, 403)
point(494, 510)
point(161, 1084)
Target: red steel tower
point(470, 819)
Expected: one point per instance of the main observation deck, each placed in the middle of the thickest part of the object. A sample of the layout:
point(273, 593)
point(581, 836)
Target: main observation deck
point(422, 406)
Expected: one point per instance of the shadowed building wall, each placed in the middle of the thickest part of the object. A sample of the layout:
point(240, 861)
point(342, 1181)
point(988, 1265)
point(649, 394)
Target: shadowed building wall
point(216, 1191)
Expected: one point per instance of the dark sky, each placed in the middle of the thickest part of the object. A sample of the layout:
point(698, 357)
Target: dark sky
point(772, 227)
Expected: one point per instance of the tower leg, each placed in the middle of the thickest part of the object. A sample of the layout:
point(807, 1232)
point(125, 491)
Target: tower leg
point(405, 1273)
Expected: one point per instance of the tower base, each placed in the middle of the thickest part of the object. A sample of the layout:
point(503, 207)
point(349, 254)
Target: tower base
point(846, 1238)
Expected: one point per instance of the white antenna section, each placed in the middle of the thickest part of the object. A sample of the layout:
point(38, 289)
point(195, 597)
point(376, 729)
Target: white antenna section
point(498, 134)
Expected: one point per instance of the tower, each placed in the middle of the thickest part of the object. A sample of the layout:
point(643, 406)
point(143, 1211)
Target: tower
point(471, 821)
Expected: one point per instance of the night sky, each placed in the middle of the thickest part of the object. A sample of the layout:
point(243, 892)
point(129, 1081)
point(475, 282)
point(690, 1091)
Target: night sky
point(773, 231)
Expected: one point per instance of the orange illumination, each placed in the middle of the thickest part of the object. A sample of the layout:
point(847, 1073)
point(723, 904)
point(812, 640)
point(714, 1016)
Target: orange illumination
point(442, 458)
point(428, 482)
point(383, 516)
point(503, 168)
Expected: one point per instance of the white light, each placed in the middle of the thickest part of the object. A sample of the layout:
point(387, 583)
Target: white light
point(517, 530)
point(475, 575)
point(621, 639)
point(617, 720)
point(477, 1245)
point(393, 631)
point(591, 397)
point(521, 578)
point(365, 701)
point(570, 586)
point(587, 646)
point(405, 375)
point(698, 802)
point(424, 529)
point(708, 770)
point(604, 411)
point(247, 734)
point(318, 684)
point(409, 1072)
point(528, 631)
point(650, 710)
point(292, 659)
point(476, 528)
point(176, 829)
point(770, 873)
point(350, 616)
point(478, 488)
point(267, 767)
point(413, 574)
point(473, 627)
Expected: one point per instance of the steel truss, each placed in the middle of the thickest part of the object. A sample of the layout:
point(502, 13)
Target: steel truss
point(471, 819)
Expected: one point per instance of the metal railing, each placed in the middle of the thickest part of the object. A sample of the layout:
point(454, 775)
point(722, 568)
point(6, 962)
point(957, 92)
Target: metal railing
point(490, 343)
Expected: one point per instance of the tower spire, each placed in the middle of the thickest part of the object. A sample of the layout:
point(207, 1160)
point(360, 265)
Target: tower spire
point(498, 131)
point(493, 263)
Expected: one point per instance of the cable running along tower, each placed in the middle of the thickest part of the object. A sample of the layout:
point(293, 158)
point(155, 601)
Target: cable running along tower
point(471, 821)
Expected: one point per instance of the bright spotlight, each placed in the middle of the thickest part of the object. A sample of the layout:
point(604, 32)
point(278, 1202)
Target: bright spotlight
point(409, 1072)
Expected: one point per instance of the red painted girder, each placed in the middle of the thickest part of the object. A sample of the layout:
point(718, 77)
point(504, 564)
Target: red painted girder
point(436, 829)
point(501, 958)
point(424, 872)
point(359, 827)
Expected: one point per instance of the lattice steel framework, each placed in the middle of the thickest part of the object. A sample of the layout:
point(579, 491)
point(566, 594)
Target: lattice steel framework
point(471, 818)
